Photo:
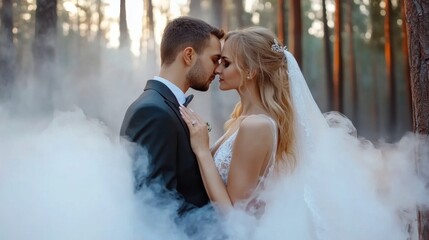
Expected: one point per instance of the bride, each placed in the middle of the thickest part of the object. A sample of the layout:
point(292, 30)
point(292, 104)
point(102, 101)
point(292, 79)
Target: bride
point(280, 152)
point(260, 134)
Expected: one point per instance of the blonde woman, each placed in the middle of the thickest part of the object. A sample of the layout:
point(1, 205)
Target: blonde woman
point(325, 175)
point(259, 136)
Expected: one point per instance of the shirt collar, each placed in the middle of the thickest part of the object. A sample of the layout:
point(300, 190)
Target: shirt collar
point(180, 96)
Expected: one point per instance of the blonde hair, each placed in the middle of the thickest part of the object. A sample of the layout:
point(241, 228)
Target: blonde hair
point(252, 52)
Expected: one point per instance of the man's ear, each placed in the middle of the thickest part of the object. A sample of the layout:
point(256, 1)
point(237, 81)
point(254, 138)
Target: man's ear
point(189, 55)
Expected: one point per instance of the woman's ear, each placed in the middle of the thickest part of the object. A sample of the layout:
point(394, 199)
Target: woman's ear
point(189, 55)
point(250, 74)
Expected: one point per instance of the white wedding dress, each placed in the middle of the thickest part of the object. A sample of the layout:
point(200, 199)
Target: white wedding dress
point(222, 158)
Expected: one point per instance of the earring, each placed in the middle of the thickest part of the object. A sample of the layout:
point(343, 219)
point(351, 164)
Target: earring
point(248, 77)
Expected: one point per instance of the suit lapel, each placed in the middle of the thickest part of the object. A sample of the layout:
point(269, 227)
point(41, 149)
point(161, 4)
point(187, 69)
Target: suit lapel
point(169, 99)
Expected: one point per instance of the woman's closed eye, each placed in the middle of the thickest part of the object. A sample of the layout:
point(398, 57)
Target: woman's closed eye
point(225, 63)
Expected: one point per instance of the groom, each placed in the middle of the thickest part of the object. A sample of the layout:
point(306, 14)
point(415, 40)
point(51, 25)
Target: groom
point(190, 50)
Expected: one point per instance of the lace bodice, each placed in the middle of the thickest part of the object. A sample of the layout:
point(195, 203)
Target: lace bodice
point(223, 154)
point(223, 157)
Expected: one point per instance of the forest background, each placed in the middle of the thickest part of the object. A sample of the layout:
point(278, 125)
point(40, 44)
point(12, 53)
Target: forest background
point(98, 54)
point(358, 57)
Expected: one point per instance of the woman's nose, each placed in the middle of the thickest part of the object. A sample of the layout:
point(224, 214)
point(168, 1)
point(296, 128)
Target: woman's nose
point(218, 69)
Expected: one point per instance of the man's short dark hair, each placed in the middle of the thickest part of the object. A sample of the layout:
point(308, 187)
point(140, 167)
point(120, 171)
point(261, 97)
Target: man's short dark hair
point(185, 32)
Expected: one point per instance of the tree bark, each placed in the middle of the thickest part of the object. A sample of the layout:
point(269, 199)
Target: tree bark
point(195, 9)
point(124, 38)
point(239, 11)
point(417, 14)
point(216, 101)
point(219, 14)
point(295, 27)
point(7, 50)
point(352, 65)
point(338, 62)
point(406, 57)
point(391, 84)
point(328, 57)
point(281, 21)
point(44, 50)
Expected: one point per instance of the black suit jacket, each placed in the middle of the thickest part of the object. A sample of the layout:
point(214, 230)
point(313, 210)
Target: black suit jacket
point(154, 122)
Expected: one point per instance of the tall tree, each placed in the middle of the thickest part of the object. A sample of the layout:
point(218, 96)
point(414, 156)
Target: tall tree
point(219, 14)
point(338, 59)
point(406, 57)
point(388, 52)
point(100, 20)
point(239, 13)
point(216, 101)
point(281, 21)
point(295, 28)
point(195, 9)
point(7, 50)
point(328, 57)
point(44, 50)
point(417, 13)
point(352, 64)
point(124, 37)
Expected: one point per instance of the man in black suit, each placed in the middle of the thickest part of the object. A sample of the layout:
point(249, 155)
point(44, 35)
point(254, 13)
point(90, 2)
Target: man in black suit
point(190, 51)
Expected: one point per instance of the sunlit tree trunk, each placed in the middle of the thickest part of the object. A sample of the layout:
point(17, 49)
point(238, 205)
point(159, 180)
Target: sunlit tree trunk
point(7, 50)
point(338, 62)
point(123, 29)
point(417, 14)
point(216, 102)
point(375, 108)
point(44, 50)
point(328, 58)
point(391, 85)
point(219, 14)
point(79, 21)
point(148, 34)
point(352, 65)
point(406, 57)
point(239, 12)
point(281, 21)
point(295, 28)
point(100, 20)
point(99, 35)
point(195, 9)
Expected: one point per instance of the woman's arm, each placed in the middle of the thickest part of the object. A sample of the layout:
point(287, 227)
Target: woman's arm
point(251, 147)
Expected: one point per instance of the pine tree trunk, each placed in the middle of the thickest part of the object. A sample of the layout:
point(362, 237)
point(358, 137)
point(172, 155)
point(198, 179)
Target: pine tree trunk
point(328, 58)
point(219, 14)
point(44, 51)
point(281, 21)
point(239, 11)
point(391, 84)
point(352, 65)
point(375, 108)
point(216, 101)
point(195, 8)
point(406, 57)
point(124, 38)
point(417, 14)
point(295, 27)
point(338, 62)
point(7, 50)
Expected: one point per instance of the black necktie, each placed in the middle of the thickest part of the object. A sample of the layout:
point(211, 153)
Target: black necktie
point(188, 100)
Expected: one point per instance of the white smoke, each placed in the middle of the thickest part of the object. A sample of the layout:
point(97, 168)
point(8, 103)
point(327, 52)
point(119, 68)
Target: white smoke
point(69, 176)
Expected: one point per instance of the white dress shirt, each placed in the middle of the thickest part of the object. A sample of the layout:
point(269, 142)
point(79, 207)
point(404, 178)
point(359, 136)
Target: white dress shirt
point(180, 96)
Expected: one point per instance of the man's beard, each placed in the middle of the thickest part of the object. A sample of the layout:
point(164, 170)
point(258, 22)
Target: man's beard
point(196, 77)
